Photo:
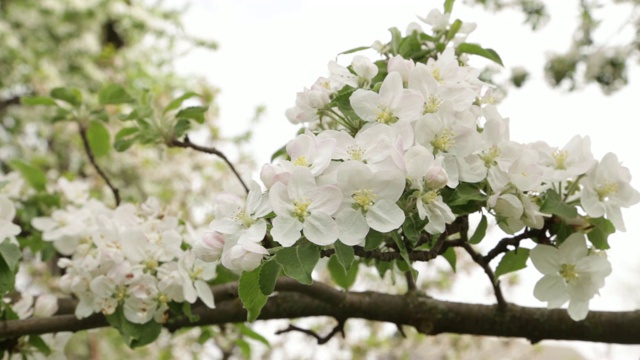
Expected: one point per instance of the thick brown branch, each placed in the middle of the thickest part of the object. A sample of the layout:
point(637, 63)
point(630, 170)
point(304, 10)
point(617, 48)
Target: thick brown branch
point(428, 315)
point(208, 150)
point(103, 175)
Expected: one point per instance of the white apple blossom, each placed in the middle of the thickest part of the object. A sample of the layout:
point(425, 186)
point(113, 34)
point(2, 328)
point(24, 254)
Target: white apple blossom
point(364, 70)
point(573, 160)
point(7, 212)
point(309, 151)
point(607, 188)
point(369, 201)
point(572, 272)
point(302, 206)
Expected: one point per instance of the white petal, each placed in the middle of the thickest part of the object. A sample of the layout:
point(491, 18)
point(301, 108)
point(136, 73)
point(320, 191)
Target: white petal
point(204, 293)
point(286, 230)
point(385, 216)
point(578, 310)
point(546, 259)
point(320, 229)
point(551, 288)
point(352, 226)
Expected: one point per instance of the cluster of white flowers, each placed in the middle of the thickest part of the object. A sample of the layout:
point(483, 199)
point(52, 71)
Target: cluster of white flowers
point(129, 256)
point(418, 129)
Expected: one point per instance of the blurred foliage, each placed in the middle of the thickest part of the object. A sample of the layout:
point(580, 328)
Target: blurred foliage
point(586, 60)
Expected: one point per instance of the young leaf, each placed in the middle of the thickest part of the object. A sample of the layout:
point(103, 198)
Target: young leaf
point(343, 278)
point(413, 226)
point(448, 6)
point(396, 37)
point(598, 236)
point(195, 113)
point(480, 231)
point(251, 334)
point(37, 100)
point(249, 291)
point(175, 103)
point(37, 342)
point(553, 204)
point(113, 94)
point(134, 335)
point(453, 30)
point(34, 176)
point(404, 254)
point(344, 254)
point(99, 138)
point(373, 240)
point(269, 273)
point(351, 51)
point(451, 257)
point(70, 96)
point(512, 261)
point(475, 49)
point(9, 256)
point(298, 261)
point(125, 138)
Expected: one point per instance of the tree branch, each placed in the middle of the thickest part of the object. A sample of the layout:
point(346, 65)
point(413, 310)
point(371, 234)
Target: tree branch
point(429, 316)
point(103, 175)
point(339, 328)
point(208, 150)
point(495, 283)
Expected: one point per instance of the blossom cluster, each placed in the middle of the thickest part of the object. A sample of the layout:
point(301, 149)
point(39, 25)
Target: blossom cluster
point(382, 141)
point(130, 257)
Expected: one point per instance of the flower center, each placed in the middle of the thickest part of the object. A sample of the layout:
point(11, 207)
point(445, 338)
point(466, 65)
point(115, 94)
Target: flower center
point(300, 210)
point(355, 152)
point(244, 218)
point(607, 189)
point(444, 140)
point(301, 161)
point(436, 75)
point(561, 159)
point(386, 117)
point(489, 157)
point(431, 105)
point(364, 199)
point(568, 272)
point(429, 196)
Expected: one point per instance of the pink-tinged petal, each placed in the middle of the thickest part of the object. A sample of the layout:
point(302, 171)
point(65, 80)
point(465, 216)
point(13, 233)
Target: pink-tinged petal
point(302, 145)
point(254, 197)
point(204, 293)
point(320, 229)
point(551, 289)
point(225, 225)
point(366, 104)
point(255, 248)
point(578, 310)
point(546, 259)
point(352, 226)
point(327, 200)
point(385, 216)
point(286, 230)
point(279, 199)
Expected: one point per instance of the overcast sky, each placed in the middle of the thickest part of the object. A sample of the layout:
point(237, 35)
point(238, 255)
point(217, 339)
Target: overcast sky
point(269, 50)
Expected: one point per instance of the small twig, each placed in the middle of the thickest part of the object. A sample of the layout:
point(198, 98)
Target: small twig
point(411, 282)
point(502, 247)
point(401, 330)
point(339, 328)
point(87, 149)
point(495, 283)
point(208, 150)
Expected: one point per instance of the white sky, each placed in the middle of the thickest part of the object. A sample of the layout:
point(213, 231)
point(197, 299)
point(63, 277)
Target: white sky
point(269, 50)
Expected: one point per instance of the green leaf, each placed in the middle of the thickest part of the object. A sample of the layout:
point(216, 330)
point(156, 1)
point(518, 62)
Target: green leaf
point(343, 278)
point(345, 254)
point(195, 113)
point(125, 138)
point(249, 291)
point(37, 100)
point(70, 96)
point(135, 335)
point(373, 240)
point(34, 176)
point(512, 261)
point(480, 231)
point(244, 346)
point(99, 138)
point(37, 342)
point(413, 226)
point(351, 51)
point(280, 153)
point(251, 334)
point(553, 204)
point(451, 257)
point(475, 49)
point(181, 127)
point(453, 30)
point(396, 38)
point(404, 253)
point(113, 94)
point(600, 232)
point(269, 273)
point(175, 103)
point(465, 193)
point(298, 261)
point(409, 46)
point(11, 254)
point(448, 6)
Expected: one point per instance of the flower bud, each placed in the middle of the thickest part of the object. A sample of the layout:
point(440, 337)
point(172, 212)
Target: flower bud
point(210, 247)
point(45, 306)
point(436, 178)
